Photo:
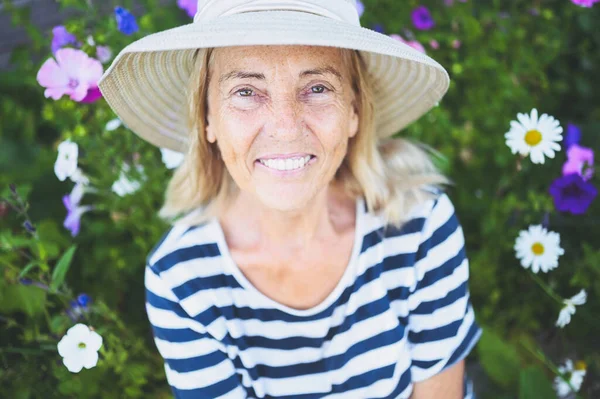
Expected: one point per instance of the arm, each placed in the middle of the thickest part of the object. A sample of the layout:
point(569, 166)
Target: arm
point(442, 328)
point(196, 364)
point(446, 385)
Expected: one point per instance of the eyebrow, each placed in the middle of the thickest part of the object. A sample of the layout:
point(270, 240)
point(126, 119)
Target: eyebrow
point(237, 74)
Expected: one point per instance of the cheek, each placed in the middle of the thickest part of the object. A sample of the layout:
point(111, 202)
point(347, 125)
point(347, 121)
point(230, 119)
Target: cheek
point(235, 141)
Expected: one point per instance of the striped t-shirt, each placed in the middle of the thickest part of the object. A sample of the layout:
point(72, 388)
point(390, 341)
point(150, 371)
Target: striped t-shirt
point(401, 313)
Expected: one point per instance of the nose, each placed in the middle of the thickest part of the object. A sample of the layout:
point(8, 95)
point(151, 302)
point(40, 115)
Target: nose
point(286, 118)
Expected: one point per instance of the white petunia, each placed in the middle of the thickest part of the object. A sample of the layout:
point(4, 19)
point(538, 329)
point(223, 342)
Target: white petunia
point(113, 124)
point(534, 137)
point(79, 348)
point(66, 161)
point(170, 158)
point(539, 249)
point(79, 177)
point(574, 376)
point(564, 317)
point(124, 186)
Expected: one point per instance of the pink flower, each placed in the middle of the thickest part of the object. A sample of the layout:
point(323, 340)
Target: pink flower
point(434, 44)
point(73, 73)
point(585, 3)
point(577, 157)
point(456, 44)
point(412, 43)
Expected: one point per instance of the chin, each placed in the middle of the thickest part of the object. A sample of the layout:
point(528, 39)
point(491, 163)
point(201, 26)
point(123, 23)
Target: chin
point(284, 200)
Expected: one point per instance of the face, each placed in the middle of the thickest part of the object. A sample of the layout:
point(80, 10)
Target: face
point(272, 108)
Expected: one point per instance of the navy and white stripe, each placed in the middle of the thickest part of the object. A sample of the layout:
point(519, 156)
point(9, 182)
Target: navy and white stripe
point(400, 314)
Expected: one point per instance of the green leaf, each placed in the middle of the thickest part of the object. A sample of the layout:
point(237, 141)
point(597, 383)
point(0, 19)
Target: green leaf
point(499, 359)
point(29, 266)
point(533, 384)
point(60, 271)
point(16, 297)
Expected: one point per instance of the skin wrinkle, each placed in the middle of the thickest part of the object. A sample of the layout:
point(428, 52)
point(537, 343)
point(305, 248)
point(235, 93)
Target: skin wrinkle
point(283, 113)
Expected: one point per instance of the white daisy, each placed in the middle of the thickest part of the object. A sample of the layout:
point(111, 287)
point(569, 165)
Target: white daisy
point(571, 374)
point(534, 137)
point(564, 317)
point(538, 248)
point(79, 348)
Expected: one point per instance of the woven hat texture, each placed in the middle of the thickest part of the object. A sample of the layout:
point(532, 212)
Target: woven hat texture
point(147, 82)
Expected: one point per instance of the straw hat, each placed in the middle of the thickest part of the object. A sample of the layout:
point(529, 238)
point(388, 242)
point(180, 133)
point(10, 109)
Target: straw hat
point(146, 83)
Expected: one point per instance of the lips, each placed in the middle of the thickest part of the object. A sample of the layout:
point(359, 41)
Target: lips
point(286, 156)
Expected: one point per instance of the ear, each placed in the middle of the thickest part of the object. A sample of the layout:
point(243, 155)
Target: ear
point(353, 122)
point(210, 135)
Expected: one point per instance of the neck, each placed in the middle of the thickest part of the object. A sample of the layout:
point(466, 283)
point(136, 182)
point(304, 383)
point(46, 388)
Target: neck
point(249, 225)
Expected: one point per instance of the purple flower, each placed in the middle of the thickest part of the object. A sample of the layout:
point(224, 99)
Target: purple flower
point(29, 227)
point(28, 281)
point(421, 18)
point(92, 95)
point(83, 300)
point(572, 194)
point(573, 135)
point(190, 6)
point(61, 37)
point(74, 211)
point(577, 158)
point(125, 21)
point(379, 28)
point(360, 7)
point(103, 53)
point(72, 73)
point(585, 3)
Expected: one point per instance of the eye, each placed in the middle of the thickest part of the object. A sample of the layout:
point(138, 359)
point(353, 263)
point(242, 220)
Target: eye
point(245, 89)
point(319, 87)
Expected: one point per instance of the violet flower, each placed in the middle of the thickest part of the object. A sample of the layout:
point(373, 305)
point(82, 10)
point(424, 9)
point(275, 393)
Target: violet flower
point(421, 18)
point(92, 95)
point(572, 194)
point(125, 21)
point(189, 6)
point(573, 135)
point(360, 7)
point(580, 161)
point(379, 28)
point(74, 211)
point(584, 3)
point(61, 37)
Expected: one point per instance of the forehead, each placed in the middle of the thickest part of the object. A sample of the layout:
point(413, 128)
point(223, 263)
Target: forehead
point(292, 56)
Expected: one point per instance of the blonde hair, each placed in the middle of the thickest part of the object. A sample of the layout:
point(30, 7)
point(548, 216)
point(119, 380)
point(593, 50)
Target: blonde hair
point(392, 174)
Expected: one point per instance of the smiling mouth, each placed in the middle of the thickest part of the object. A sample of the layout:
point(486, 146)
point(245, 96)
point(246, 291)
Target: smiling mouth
point(287, 165)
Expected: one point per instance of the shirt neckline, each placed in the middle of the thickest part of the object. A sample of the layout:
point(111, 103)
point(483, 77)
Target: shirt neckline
point(233, 268)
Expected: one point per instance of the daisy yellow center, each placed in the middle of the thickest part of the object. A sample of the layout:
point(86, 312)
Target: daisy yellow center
point(580, 365)
point(537, 248)
point(533, 137)
point(81, 345)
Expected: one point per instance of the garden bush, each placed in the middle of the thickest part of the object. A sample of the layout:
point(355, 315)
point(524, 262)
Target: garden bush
point(80, 194)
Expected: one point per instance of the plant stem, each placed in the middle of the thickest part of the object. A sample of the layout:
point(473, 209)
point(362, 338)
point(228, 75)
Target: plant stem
point(545, 287)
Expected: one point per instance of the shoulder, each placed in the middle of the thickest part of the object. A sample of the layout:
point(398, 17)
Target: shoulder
point(183, 253)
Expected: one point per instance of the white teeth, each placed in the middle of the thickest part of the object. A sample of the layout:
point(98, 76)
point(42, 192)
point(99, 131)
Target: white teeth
point(286, 164)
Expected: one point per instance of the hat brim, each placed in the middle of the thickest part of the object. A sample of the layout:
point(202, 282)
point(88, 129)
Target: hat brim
point(146, 84)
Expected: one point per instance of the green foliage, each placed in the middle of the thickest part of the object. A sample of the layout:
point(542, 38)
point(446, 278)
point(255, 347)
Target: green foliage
point(512, 57)
point(499, 359)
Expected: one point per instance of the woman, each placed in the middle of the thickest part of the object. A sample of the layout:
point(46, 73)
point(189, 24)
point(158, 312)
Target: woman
point(311, 256)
